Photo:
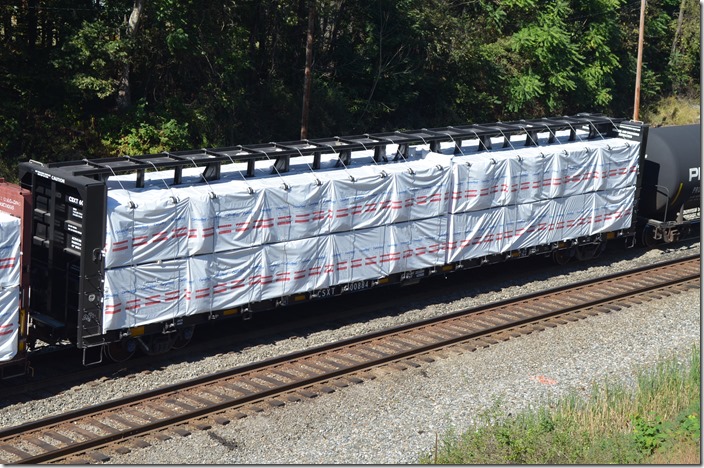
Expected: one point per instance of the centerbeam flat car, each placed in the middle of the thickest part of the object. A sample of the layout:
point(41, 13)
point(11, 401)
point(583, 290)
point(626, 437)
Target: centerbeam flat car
point(135, 251)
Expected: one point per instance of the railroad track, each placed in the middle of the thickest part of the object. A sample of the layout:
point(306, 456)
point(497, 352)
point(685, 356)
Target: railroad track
point(55, 370)
point(92, 434)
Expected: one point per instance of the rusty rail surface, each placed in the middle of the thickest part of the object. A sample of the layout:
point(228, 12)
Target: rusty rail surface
point(90, 434)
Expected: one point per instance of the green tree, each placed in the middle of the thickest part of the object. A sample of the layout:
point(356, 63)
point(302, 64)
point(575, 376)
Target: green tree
point(78, 79)
point(684, 59)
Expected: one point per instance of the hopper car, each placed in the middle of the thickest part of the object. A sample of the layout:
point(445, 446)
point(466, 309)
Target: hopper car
point(113, 255)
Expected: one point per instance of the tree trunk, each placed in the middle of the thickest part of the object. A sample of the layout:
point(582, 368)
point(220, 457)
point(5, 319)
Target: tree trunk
point(32, 23)
point(124, 97)
point(677, 31)
point(7, 27)
point(308, 78)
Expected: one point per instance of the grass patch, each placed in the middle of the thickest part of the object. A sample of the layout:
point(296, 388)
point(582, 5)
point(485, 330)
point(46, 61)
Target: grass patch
point(673, 110)
point(658, 421)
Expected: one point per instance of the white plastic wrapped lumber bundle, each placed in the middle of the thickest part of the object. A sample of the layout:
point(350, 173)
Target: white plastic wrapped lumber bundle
point(377, 252)
point(619, 163)
point(613, 210)
point(481, 181)
point(488, 179)
point(149, 293)
point(145, 294)
point(478, 233)
point(9, 251)
point(584, 167)
point(235, 218)
point(501, 229)
point(532, 223)
point(9, 285)
point(186, 221)
point(9, 322)
point(156, 228)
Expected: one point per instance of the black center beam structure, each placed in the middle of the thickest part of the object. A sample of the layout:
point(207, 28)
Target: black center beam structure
point(280, 153)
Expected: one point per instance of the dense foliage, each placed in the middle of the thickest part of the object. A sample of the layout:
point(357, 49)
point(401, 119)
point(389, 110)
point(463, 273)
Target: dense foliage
point(91, 78)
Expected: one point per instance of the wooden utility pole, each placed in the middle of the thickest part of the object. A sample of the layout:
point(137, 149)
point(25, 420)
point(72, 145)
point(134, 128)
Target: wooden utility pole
point(641, 30)
point(308, 77)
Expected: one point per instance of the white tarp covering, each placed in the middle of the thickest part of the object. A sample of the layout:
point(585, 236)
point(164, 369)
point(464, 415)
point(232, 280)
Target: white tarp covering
point(477, 233)
point(203, 247)
point(9, 285)
point(516, 176)
point(144, 294)
point(226, 280)
point(421, 188)
point(482, 181)
point(297, 266)
point(155, 292)
point(573, 171)
point(620, 164)
point(612, 210)
point(9, 322)
point(187, 221)
point(9, 251)
point(378, 252)
point(532, 223)
point(504, 228)
point(156, 229)
point(571, 218)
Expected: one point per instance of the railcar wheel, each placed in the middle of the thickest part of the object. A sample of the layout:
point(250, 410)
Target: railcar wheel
point(648, 237)
point(153, 345)
point(590, 251)
point(120, 351)
point(183, 337)
point(562, 256)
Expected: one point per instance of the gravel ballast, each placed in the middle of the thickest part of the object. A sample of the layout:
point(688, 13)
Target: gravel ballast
point(396, 417)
